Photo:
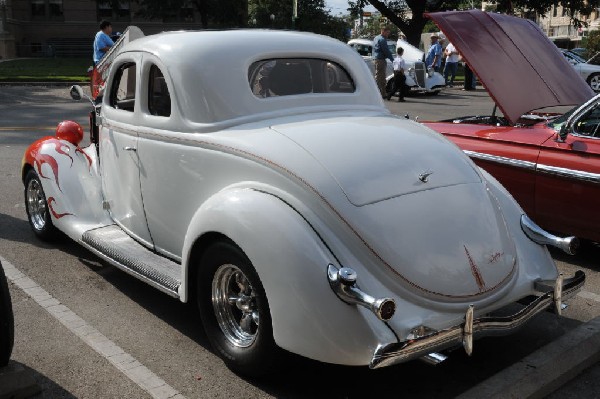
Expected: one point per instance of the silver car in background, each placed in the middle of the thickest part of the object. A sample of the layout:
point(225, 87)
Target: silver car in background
point(418, 77)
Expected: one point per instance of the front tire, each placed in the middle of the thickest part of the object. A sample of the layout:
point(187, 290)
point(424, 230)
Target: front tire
point(7, 324)
point(36, 206)
point(235, 312)
point(594, 82)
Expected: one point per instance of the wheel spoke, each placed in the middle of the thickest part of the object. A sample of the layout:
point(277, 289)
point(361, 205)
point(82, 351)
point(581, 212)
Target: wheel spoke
point(255, 317)
point(241, 282)
point(232, 299)
point(246, 323)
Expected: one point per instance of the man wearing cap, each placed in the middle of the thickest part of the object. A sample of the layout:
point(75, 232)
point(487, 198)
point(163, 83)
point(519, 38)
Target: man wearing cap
point(381, 53)
point(434, 55)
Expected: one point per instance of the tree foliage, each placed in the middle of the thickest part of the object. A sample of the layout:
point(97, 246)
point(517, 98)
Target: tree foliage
point(312, 17)
point(408, 16)
point(592, 43)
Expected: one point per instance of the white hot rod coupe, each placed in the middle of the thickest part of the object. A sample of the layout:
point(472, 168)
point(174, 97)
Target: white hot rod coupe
point(259, 174)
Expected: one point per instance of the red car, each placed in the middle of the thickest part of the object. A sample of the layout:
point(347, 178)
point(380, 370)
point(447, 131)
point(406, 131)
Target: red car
point(549, 162)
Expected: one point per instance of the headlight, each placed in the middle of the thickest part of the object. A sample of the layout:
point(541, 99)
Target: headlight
point(430, 72)
point(411, 72)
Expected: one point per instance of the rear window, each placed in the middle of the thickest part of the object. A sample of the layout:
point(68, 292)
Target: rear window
point(295, 76)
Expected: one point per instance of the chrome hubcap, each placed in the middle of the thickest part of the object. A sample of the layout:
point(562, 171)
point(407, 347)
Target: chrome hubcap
point(595, 83)
point(234, 302)
point(36, 204)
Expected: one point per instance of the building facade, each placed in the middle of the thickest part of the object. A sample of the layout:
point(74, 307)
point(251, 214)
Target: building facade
point(67, 27)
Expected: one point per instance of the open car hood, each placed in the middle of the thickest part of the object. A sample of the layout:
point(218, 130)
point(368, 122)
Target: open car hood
point(518, 65)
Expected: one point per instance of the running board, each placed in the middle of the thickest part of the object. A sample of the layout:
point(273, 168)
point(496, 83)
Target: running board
point(113, 245)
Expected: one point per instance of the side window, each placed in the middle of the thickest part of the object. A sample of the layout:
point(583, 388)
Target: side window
point(159, 100)
point(122, 94)
point(589, 123)
point(293, 76)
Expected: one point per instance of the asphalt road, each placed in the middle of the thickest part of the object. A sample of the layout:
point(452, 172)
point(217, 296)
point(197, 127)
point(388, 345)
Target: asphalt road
point(165, 336)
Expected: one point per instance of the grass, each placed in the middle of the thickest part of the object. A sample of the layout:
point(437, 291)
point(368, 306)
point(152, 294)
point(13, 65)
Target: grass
point(45, 70)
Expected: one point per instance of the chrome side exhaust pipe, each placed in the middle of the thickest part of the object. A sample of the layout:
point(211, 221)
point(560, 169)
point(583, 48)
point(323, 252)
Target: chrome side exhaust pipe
point(433, 359)
point(343, 283)
point(541, 236)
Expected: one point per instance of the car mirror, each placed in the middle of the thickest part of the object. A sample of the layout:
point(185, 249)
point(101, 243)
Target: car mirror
point(563, 132)
point(76, 92)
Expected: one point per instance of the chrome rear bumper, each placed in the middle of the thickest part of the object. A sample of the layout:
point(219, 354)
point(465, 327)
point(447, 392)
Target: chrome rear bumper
point(464, 333)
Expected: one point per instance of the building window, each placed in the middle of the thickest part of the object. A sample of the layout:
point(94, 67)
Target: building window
point(555, 10)
point(47, 9)
point(121, 13)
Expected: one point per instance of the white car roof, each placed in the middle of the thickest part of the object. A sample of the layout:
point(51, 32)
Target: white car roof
point(209, 73)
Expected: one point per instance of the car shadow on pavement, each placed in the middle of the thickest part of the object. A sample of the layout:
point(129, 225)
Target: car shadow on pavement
point(416, 379)
point(587, 255)
point(29, 383)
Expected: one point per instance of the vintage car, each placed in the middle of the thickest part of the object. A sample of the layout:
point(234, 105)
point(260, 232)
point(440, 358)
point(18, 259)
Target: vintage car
point(549, 161)
point(418, 78)
point(259, 175)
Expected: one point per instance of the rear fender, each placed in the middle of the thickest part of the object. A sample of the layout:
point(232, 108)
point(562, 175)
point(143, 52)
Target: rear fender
point(71, 182)
point(291, 261)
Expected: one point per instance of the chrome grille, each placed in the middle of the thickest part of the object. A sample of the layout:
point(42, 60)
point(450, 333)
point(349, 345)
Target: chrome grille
point(420, 72)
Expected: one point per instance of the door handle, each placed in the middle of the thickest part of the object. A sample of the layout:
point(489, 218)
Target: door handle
point(130, 148)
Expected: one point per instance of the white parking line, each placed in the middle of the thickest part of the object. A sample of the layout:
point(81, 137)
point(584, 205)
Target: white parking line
point(589, 295)
point(124, 362)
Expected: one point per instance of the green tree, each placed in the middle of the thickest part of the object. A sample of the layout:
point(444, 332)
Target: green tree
point(312, 17)
point(408, 14)
point(592, 43)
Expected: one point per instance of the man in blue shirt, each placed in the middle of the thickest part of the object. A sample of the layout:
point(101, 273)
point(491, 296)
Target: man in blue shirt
point(381, 53)
point(434, 55)
point(102, 41)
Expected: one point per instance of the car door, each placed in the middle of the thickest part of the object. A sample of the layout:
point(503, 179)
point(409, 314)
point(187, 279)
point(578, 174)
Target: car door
point(118, 149)
point(508, 153)
point(568, 181)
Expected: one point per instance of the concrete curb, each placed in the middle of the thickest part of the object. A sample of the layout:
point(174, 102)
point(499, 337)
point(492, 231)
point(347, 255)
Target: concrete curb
point(545, 370)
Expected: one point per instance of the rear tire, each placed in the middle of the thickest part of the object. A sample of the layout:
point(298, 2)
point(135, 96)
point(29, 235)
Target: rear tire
point(36, 206)
point(235, 312)
point(7, 323)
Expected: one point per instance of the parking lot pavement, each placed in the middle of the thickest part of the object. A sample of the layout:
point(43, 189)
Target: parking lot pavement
point(565, 368)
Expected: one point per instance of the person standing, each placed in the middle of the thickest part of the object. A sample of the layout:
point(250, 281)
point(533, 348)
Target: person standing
point(102, 41)
point(434, 54)
point(381, 53)
point(451, 65)
point(399, 82)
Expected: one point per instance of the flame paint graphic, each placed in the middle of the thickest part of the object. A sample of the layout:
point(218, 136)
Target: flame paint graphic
point(56, 215)
point(58, 146)
point(475, 271)
point(41, 159)
point(79, 150)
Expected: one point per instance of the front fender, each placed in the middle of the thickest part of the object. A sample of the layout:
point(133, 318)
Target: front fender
point(291, 260)
point(71, 181)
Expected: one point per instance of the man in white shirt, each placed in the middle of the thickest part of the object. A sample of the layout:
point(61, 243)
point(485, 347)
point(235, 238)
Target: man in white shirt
point(451, 64)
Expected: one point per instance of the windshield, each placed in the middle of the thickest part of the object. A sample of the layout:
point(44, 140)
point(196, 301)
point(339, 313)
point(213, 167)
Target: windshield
point(556, 123)
point(573, 56)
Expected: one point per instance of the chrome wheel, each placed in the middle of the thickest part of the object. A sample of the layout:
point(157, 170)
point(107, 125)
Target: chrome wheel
point(235, 305)
point(594, 82)
point(36, 205)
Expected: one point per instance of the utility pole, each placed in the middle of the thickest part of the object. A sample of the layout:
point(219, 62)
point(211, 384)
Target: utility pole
point(294, 13)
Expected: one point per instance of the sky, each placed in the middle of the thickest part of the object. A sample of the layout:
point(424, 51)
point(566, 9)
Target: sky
point(340, 6)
